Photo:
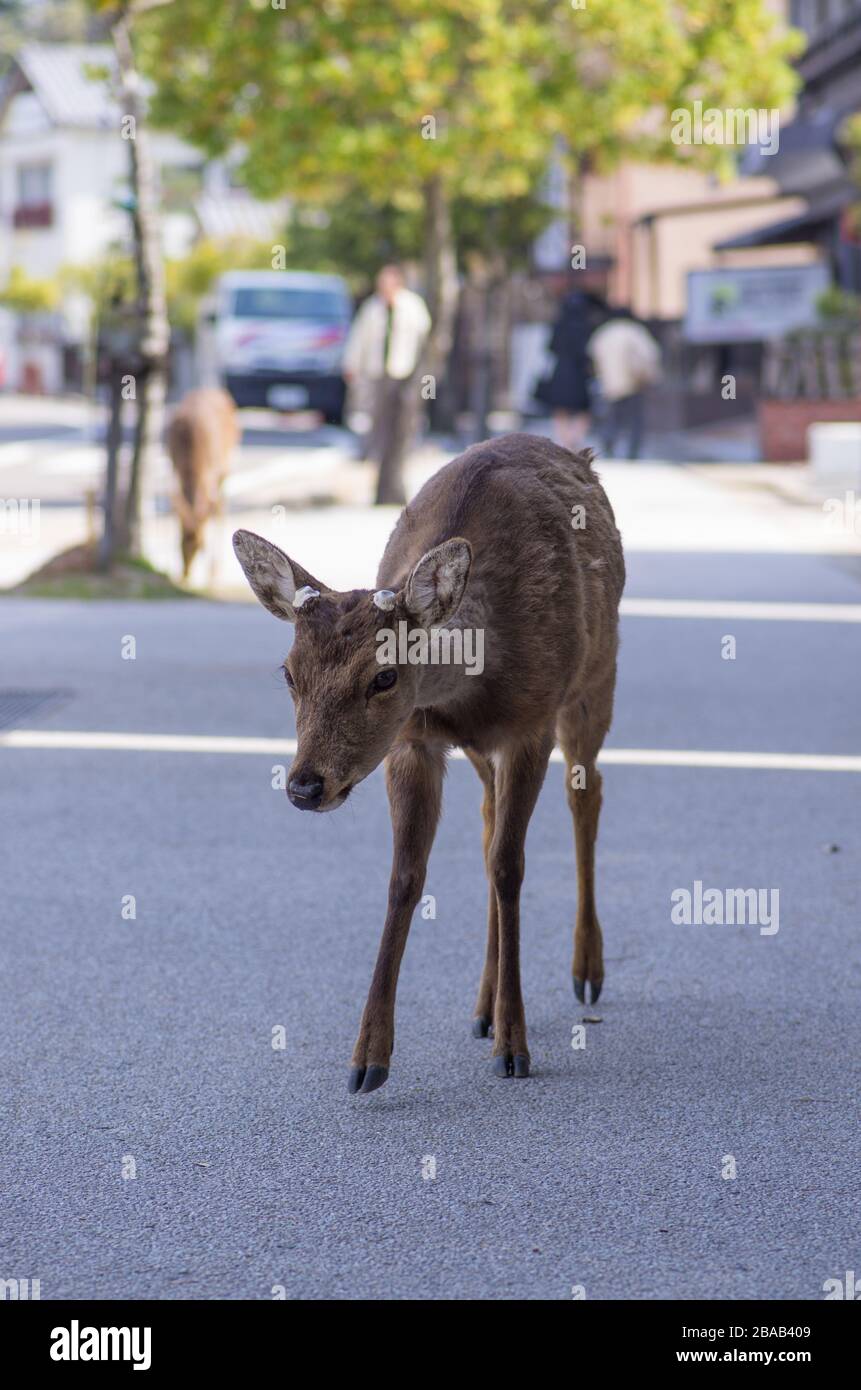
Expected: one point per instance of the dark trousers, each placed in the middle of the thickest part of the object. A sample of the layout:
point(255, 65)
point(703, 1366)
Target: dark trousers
point(623, 417)
point(394, 423)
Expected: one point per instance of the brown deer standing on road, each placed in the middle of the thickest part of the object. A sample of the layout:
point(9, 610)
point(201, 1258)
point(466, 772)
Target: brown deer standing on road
point(514, 539)
point(201, 436)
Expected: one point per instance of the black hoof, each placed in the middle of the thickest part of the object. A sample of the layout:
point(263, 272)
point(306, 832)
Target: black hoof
point(363, 1080)
point(580, 991)
point(480, 1026)
point(375, 1077)
point(507, 1065)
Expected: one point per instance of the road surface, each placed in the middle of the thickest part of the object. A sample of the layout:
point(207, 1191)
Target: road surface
point(157, 1145)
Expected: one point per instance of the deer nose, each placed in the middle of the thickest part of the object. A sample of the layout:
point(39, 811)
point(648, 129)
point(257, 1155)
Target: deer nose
point(306, 792)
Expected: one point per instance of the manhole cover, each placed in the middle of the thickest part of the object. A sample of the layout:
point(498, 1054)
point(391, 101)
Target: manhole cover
point(18, 705)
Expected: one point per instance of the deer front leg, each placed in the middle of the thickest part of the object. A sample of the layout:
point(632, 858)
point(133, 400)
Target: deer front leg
point(414, 782)
point(519, 776)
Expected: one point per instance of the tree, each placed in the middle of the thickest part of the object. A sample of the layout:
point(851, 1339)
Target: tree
point(850, 141)
point(433, 101)
point(355, 236)
point(154, 334)
point(190, 279)
point(49, 21)
point(27, 294)
point(151, 331)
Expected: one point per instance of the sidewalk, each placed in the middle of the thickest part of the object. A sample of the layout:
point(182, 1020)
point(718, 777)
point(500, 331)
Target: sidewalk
point(659, 507)
point(315, 503)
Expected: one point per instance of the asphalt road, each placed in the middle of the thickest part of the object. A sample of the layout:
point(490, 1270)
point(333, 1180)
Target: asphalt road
point(151, 1039)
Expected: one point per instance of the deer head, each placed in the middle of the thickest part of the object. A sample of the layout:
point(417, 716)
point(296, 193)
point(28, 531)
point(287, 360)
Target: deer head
point(350, 706)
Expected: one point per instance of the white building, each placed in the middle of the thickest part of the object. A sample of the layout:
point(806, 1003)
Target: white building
point(64, 169)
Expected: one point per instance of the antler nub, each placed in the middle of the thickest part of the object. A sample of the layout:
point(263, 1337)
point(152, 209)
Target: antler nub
point(385, 599)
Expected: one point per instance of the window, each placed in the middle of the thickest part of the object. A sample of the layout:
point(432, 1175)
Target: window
point(34, 187)
point(265, 303)
point(34, 184)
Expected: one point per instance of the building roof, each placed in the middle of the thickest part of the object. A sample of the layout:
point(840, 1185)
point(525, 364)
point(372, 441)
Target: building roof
point(817, 218)
point(808, 156)
point(62, 77)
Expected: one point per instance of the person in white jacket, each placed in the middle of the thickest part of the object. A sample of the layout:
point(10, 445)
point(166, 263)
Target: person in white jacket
point(626, 359)
point(385, 347)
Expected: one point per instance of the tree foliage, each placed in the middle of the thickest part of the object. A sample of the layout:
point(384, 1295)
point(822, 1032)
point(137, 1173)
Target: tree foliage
point(328, 94)
point(26, 294)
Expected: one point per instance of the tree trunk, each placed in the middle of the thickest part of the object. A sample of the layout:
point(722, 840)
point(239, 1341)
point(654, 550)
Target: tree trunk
point(108, 543)
point(390, 484)
point(149, 427)
point(481, 357)
point(152, 302)
point(442, 296)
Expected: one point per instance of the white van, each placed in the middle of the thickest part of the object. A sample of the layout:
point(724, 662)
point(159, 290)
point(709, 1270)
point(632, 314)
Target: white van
point(279, 339)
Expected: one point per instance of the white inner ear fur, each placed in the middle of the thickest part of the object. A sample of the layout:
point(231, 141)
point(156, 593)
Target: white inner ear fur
point(284, 583)
point(268, 571)
point(437, 583)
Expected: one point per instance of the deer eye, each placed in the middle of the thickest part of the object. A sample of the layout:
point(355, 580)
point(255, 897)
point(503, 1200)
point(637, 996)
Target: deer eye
point(383, 680)
point(291, 684)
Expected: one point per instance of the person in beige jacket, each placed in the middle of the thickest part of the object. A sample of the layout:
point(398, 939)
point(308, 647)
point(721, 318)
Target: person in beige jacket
point(385, 348)
point(626, 359)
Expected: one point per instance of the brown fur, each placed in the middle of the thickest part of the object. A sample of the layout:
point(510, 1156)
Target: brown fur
point(487, 544)
point(201, 436)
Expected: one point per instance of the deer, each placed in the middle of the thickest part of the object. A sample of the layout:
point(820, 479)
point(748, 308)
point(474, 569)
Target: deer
point(201, 437)
point(514, 538)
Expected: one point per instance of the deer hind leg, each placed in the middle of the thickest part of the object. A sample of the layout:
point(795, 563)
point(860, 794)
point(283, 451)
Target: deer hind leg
point(581, 732)
point(484, 1006)
point(520, 773)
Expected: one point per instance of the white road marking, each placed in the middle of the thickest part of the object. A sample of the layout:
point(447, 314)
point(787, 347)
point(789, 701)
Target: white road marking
point(81, 458)
point(85, 741)
point(12, 455)
point(766, 762)
point(281, 467)
point(729, 608)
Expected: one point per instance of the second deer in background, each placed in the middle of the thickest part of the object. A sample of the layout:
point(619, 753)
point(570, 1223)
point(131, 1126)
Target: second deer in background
point(202, 434)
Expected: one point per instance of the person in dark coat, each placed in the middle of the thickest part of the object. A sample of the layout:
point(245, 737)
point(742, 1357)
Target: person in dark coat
point(566, 390)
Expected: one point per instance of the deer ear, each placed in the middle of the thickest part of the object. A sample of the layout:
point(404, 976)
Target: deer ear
point(273, 576)
point(436, 586)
